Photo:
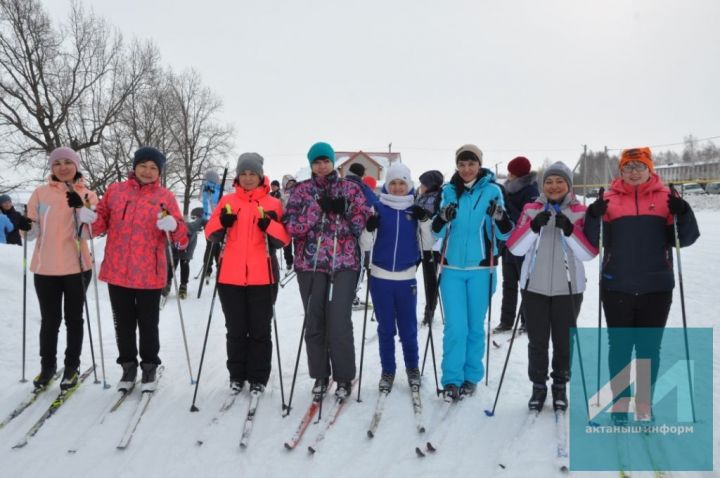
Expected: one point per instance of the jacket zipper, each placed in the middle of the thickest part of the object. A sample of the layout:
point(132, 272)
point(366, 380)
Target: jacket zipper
point(397, 233)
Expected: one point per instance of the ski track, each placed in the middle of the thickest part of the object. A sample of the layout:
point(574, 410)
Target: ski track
point(164, 444)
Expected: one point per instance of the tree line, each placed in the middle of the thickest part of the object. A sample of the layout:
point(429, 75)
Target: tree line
point(80, 84)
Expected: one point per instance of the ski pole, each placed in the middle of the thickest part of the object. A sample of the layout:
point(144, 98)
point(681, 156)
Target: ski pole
point(531, 267)
point(97, 299)
point(168, 244)
point(365, 315)
point(83, 285)
point(307, 311)
point(194, 408)
point(490, 284)
point(211, 254)
point(682, 303)
point(287, 279)
point(24, 313)
point(600, 268)
point(271, 276)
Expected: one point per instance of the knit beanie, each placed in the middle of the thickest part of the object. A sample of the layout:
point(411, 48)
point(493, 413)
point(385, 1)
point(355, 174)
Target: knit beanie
point(321, 150)
point(519, 166)
point(250, 162)
point(432, 180)
point(370, 182)
point(64, 152)
point(642, 155)
point(5, 198)
point(559, 169)
point(468, 152)
point(148, 153)
point(275, 182)
point(357, 169)
point(212, 176)
point(401, 172)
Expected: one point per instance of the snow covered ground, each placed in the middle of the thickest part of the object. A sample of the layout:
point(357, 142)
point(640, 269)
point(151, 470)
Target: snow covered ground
point(165, 442)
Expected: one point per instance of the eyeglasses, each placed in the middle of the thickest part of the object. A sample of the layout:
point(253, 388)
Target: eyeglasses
point(633, 166)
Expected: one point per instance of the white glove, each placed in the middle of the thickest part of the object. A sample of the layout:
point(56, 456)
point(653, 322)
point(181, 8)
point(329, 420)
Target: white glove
point(86, 215)
point(167, 223)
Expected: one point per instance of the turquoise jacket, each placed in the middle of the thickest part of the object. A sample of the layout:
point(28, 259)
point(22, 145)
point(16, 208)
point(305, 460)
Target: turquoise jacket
point(470, 231)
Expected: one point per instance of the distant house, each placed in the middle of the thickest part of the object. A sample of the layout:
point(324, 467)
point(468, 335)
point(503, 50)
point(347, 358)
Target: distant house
point(376, 164)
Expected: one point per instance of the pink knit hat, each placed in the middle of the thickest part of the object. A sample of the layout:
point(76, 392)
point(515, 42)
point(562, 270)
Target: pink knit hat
point(64, 152)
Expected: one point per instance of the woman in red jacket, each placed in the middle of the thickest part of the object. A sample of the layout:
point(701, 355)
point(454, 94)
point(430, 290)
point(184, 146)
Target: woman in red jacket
point(248, 220)
point(638, 214)
point(136, 215)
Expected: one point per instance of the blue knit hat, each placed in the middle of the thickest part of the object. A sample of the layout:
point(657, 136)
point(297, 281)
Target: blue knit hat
point(321, 150)
point(148, 153)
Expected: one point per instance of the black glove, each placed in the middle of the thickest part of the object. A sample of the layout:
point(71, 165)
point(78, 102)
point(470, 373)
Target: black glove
point(598, 208)
point(339, 205)
point(326, 204)
point(372, 223)
point(540, 220)
point(73, 199)
point(495, 211)
point(24, 223)
point(563, 222)
point(263, 223)
point(227, 219)
point(419, 213)
point(677, 205)
point(272, 215)
point(448, 213)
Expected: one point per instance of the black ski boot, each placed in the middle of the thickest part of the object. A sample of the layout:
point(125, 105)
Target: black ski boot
point(539, 394)
point(502, 327)
point(127, 381)
point(560, 401)
point(343, 390)
point(414, 378)
point(257, 388)
point(149, 377)
point(451, 393)
point(320, 388)
point(236, 384)
point(386, 382)
point(182, 291)
point(69, 379)
point(44, 377)
point(468, 389)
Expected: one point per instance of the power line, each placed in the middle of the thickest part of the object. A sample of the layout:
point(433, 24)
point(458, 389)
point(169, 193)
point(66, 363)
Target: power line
point(671, 144)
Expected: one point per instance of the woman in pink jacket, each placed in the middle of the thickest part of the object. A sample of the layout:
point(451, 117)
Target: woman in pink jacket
point(61, 273)
point(136, 215)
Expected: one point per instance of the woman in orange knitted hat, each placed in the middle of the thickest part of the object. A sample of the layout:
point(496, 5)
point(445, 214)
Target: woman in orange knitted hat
point(638, 213)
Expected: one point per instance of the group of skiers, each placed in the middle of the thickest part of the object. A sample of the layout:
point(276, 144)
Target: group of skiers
point(330, 227)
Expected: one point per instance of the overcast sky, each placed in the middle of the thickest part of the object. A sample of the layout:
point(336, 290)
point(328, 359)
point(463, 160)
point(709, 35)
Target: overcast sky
point(530, 77)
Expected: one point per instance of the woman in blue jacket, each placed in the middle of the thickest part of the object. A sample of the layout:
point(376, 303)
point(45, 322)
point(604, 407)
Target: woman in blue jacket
point(395, 257)
point(471, 210)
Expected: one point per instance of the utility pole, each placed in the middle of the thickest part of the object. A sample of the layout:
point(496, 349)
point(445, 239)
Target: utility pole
point(390, 147)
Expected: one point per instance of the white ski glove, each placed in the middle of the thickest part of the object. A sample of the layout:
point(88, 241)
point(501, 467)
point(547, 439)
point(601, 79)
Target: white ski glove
point(167, 223)
point(86, 215)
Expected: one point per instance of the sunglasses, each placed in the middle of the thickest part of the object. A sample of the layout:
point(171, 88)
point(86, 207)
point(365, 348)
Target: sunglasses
point(633, 166)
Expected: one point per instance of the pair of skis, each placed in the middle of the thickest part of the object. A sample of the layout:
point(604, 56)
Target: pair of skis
point(380, 406)
point(248, 424)
point(137, 415)
point(29, 400)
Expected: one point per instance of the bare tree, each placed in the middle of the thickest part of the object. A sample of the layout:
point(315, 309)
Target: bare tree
point(61, 86)
point(198, 139)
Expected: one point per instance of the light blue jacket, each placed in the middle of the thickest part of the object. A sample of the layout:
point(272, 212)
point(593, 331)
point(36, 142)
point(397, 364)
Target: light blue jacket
point(6, 226)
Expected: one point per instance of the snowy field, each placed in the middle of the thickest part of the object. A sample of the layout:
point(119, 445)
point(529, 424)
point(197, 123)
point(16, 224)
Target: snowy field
point(165, 442)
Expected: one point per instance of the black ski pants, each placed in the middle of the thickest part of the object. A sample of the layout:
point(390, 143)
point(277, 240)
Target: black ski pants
point(136, 309)
point(510, 279)
point(248, 320)
point(288, 255)
point(184, 267)
point(328, 326)
point(60, 295)
point(549, 317)
point(648, 313)
point(430, 260)
point(214, 249)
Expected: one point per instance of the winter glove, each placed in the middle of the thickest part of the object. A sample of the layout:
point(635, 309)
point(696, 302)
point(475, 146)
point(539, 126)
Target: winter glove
point(448, 213)
point(165, 223)
point(418, 213)
point(339, 205)
point(563, 222)
point(677, 205)
point(227, 219)
point(24, 223)
point(326, 204)
point(598, 208)
point(86, 215)
point(372, 223)
point(496, 211)
point(74, 200)
point(540, 220)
